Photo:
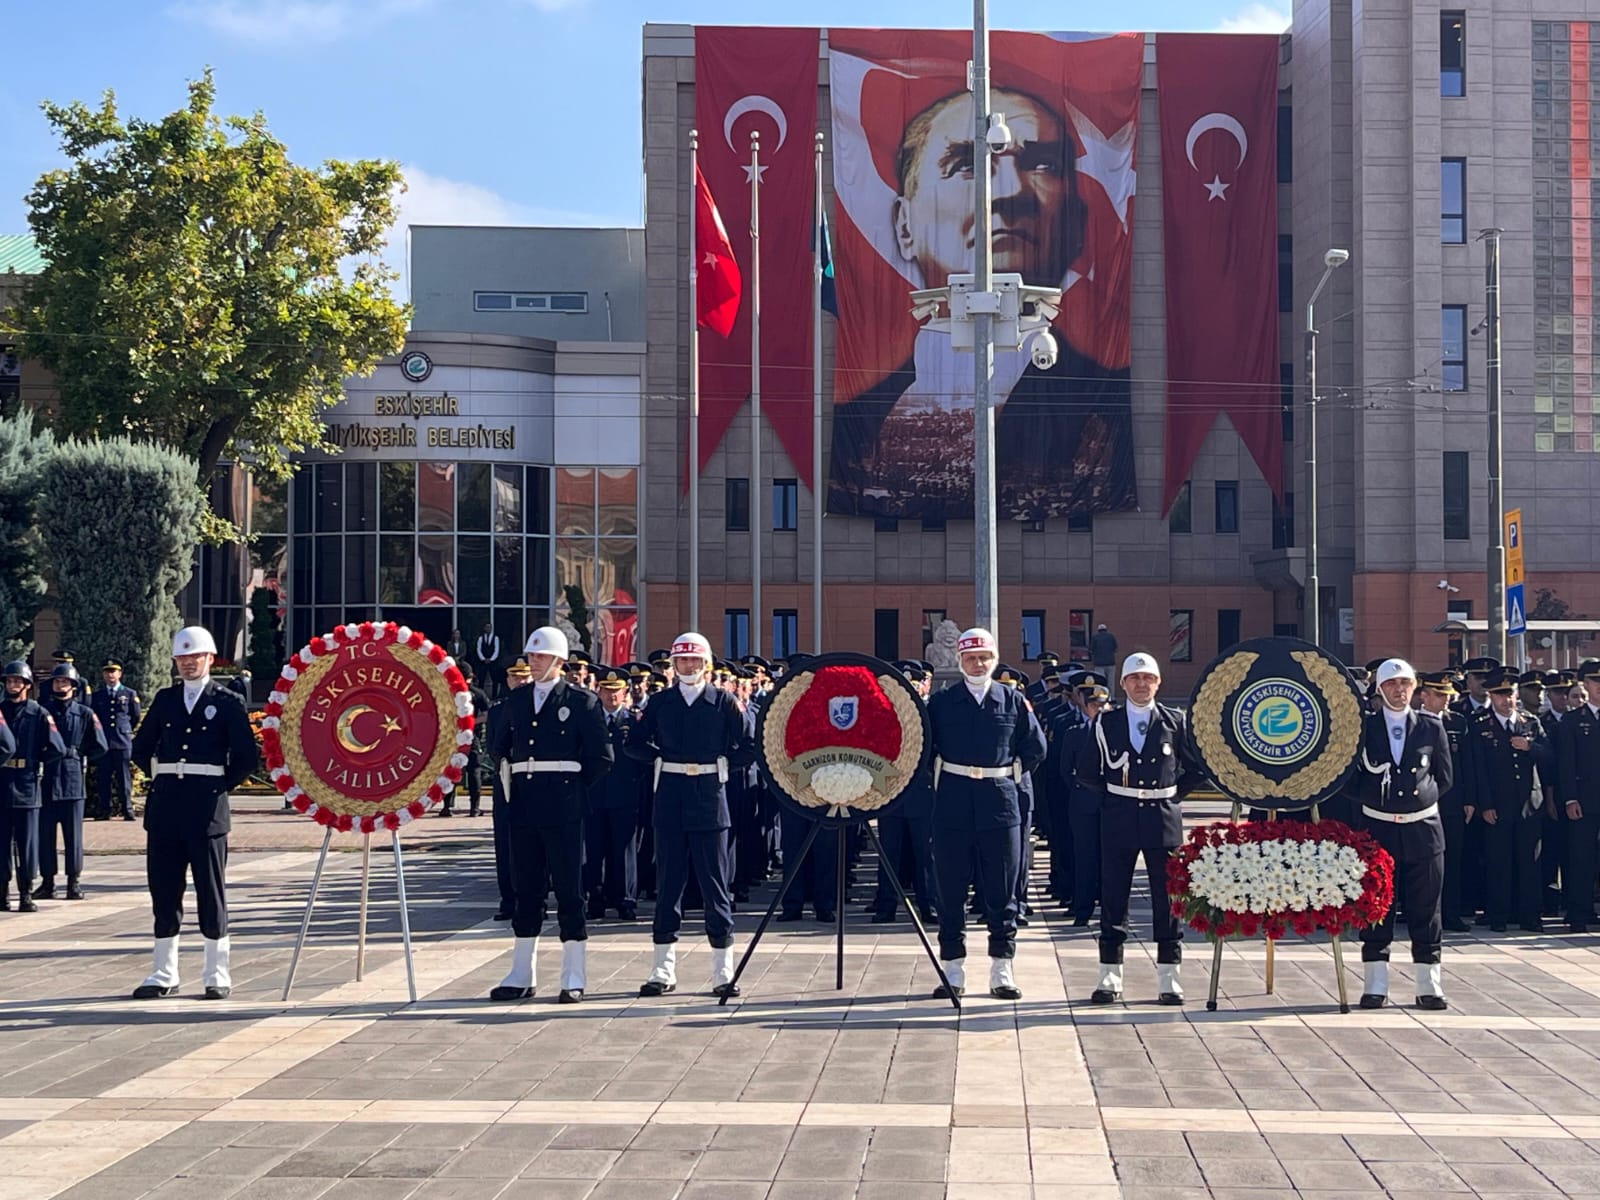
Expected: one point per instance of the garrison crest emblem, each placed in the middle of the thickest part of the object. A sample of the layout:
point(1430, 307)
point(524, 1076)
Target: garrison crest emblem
point(1277, 723)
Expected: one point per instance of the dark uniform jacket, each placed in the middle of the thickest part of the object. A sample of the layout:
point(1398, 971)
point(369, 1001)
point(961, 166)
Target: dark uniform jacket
point(119, 715)
point(568, 728)
point(216, 733)
point(1578, 755)
point(675, 731)
point(999, 733)
point(1505, 775)
point(1425, 772)
point(83, 738)
point(1108, 762)
point(624, 786)
point(1462, 792)
point(37, 742)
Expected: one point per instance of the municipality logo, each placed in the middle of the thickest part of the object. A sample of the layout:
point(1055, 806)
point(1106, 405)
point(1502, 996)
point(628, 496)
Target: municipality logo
point(416, 366)
point(842, 711)
point(1277, 721)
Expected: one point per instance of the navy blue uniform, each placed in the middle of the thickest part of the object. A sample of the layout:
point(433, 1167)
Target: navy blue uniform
point(186, 813)
point(977, 821)
point(1453, 805)
point(690, 815)
point(36, 742)
point(119, 712)
point(1578, 756)
point(1505, 784)
point(64, 788)
point(906, 835)
point(500, 815)
point(472, 773)
point(567, 734)
point(610, 871)
point(1082, 817)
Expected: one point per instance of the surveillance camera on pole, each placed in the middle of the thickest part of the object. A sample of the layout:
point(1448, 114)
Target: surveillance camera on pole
point(999, 135)
point(1042, 350)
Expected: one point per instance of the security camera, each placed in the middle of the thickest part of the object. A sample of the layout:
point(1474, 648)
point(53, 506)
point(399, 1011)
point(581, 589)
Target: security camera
point(1042, 350)
point(1336, 258)
point(999, 135)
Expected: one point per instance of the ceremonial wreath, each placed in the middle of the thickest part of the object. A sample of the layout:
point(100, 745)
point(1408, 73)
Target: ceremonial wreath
point(1277, 877)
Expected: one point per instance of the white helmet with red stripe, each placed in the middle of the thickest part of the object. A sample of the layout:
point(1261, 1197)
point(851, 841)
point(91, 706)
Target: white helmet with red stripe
point(691, 645)
point(977, 639)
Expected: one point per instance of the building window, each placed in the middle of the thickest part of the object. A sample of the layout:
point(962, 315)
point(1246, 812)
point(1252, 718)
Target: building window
point(785, 504)
point(1181, 518)
point(785, 632)
point(1227, 629)
point(886, 524)
point(1286, 399)
point(1180, 635)
point(1079, 622)
point(1283, 522)
point(1457, 505)
point(1032, 633)
point(736, 493)
point(1453, 344)
point(546, 302)
point(1285, 273)
point(735, 632)
point(1453, 53)
point(1080, 522)
point(1453, 201)
point(1285, 143)
point(886, 633)
point(1227, 506)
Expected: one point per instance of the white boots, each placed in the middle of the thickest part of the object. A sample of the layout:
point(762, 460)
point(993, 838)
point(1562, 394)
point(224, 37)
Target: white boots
point(218, 981)
point(1169, 987)
point(955, 970)
point(1109, 989)
point(1375, 984)
point(664, 974)
point(1002, 983)
point(163, 978)
point(520, 983)
point(574, 971)
point(722, 983)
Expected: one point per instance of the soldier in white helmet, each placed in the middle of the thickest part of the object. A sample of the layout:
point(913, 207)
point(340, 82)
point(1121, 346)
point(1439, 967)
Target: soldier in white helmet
point(698, 735)
point(195, 746)
point(551, 744)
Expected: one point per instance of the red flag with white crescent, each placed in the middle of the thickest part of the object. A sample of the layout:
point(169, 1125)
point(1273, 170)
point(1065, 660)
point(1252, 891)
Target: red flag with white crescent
point(717, 282)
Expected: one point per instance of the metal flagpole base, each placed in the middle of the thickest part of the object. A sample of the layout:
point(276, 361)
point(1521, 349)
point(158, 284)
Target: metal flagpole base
point(305, 922)
point(405, 917)
point(916, 919)
point(361, 917)
point(790, 870)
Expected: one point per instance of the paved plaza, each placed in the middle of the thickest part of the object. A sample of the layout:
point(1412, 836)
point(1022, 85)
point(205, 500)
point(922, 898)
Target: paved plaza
point(794, 1092)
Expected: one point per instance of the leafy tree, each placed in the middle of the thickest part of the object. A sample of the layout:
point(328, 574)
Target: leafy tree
point(264, 659)
point(199, 291)
point(22, 456)
point(120, 562)
point(1548, 606)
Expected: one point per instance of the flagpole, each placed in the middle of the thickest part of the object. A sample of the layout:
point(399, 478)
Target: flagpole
point(816, 419)
point(694, 383)
point(755, 393)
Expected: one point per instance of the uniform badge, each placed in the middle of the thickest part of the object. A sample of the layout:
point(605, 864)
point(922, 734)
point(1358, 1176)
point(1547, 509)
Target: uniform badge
point(563, 713)
point(211, 711)
point(843, 710)
point(1166, 748)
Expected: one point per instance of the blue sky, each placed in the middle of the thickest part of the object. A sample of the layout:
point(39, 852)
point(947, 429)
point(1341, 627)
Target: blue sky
point(502, 111)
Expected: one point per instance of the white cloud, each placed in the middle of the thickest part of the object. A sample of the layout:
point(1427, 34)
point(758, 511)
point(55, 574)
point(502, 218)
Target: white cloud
point(1257, 18)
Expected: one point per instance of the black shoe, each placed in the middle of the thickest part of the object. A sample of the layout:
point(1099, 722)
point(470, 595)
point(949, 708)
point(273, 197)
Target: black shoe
point(1578, 927)
point(627, 913)
point(1432, 1003)
point(129, 816)
point(1457, 926)
point(1006, 991)
point(153, 991)
point(218, 993)
point(826, 916)
point(1372, 1000)
point(725, 991)
point(1022, 921)
point(503, 914)
point(883, 918)
point(445, 812)
point(26, 904)
point(74, 892)
point(45, 891)
point(1080, 922)
point(653, 987)
point(741, 896)
point(1497, 927)
point(570, 996)
point(502, 994)
point(596, 912)
point(944, 993)
point(786, 916)
point(474, 813)
point(1170, 999)
point(928, 916)
point(1532, 927)
point(1104, 996)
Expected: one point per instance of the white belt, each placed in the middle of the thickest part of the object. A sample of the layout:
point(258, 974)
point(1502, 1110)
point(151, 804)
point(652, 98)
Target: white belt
point(180, 769)
point(1401, 818)
point(540, 767)
point(1133, 793)
point(718, 768)
point(1014, 771)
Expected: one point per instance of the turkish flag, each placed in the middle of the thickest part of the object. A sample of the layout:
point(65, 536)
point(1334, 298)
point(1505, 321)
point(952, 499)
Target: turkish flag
point(1218, 100)
point(716, 273)
point(763, 80)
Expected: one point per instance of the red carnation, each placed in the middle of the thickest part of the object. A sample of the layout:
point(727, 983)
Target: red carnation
point(435, 793)
point(391, 820)
point(466, 722)
point(1200, 924)
point(345, 823)
point(302, 804)
point(319, 646)
point(415, 640)
point(283, 783)
point(298, 662)
point(456, 680)
point(326, 817)
point(436, 655)
point(368, 825)
point(416, 808)
point(815, 721)
point(453, 774)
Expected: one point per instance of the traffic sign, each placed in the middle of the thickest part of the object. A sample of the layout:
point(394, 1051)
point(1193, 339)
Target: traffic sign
point(1514, 544)
point(1516, 611)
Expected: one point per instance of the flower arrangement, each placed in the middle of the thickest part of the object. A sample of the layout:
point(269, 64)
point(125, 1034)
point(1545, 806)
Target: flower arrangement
point(1277, 877)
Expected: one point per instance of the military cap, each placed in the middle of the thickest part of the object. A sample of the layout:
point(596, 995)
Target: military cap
point(111, 664)
point(1048, 658)
point(1502, 681)
point(1437, 681)
point(1481, 666)
point(1531, 679)
point(1362, 675)
point(1091, 679)
point(1098, 692)
point(1590, 669)
point(659, 656)
point(1559, 679)
point(658, 682)
point(578, 656)
point(755, 660)
point(1007, 674)
point(1372, 667)
point(613, 679)
point(637, 670)
point(913, 672)
point(62, 655)
point(520, 670)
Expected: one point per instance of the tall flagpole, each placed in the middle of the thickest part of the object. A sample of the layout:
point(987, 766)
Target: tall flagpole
point(816, 420)
point(694, 383)
point(755, 393)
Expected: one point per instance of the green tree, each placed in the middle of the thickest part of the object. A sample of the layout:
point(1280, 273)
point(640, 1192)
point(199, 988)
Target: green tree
point(203, 291)
point(263, 658)
point(120, 562)
point(23, 452)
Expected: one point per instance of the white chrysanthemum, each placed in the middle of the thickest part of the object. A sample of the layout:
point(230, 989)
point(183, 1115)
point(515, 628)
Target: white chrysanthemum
point(463, 704)
point(269, 722)
point(841, 783)
point(1275, 877)
point(352, 631)
point(403, 633)
point(463, 737)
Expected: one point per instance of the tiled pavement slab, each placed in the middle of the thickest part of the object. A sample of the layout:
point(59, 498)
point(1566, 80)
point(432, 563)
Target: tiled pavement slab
point(795, 1092)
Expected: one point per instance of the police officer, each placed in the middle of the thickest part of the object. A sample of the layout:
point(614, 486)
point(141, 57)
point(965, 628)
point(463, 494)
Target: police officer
point(1553, 845)
point(1510, 757)
point(64, 791)
point(1083, 804)
point(1477, 671)
point(1578, 755)
point(1458, 804)
point(1403, 768)
point(906, 833)
point(609, 823)
point(517, 675)
point(472, 773)
point(985, 741)
point(552, 747)
point(696, 735)
point(1137, 759)
point(117, 706)
point(194, 745)
point(36, 742)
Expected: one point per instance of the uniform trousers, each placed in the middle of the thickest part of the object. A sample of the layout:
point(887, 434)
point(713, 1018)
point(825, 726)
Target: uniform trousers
point(1024, 849)
point(1084, 812)
point(21, 831)
point(542, 857)
point(500, 816)
point(707, 851)
point(66, 815)
point(1515, 885)
point(989, 859)
point(749, 839)
point(471, 784)
point(1578, 871)
point(113, 783)
point(1417, 848)
point(903, 839)
point(1117, 862)
point(818, 877)
point(610, 869)
point(1064, 843)
point(170, 857)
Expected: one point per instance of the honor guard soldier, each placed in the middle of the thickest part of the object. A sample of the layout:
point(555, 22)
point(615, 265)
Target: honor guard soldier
point(906, 833)
point(1578, 753)
point(1403, 768)
point(985, 741)
point(1457, 804)
point(1511, 759)
point(1137, 759)
point(36, 743)
point(695, 735)
point(64, 790)
point(610, 870)
point(1083, 804)
point(117, 706)
point(195, 746)
point(517, 675)
point(552, 747)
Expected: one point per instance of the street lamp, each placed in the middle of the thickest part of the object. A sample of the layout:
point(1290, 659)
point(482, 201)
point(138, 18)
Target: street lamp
point(1332, 261)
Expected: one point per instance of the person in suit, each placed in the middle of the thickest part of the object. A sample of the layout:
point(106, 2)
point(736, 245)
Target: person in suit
point(1511, 759)
point(117, 706)
point(195, 745)
point(1139, 761)
point(1404, 767)
point(1458, 804)
point(64, 791)
point(1578, 759)
point(486, 650)
point(552, 747)
point(610, 872)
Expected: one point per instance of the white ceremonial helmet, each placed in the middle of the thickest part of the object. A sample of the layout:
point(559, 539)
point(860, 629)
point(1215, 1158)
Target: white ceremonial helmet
point(976, 639)
point(193, 639)
point(547, 639)
point(691, 645)
point(1140, 664)
point(1395, 668)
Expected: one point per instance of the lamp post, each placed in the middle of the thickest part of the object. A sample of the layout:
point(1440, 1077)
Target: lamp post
point(1332, 261)
point(1497, 515)
point(986, 560)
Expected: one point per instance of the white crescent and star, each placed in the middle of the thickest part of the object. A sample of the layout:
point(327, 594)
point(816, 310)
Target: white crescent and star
point(1216, 189)
point(760, 104)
